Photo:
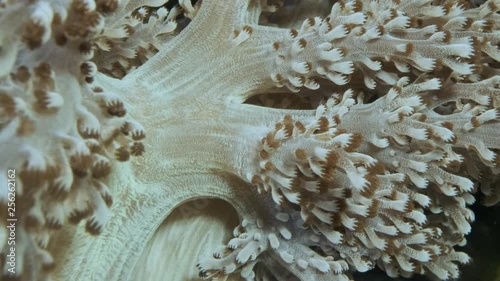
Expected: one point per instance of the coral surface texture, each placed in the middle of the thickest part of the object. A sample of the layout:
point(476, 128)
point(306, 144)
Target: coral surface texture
point(332, 137)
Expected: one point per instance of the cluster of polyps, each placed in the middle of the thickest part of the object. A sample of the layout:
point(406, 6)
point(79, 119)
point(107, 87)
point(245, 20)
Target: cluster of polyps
point(381, 38)
point(60, 129)
point(135, 37)
point(374, 183)
point(271, 242)
point(57, 130)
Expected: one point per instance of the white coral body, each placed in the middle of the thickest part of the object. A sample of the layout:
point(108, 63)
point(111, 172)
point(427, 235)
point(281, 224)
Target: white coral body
point(389, 119)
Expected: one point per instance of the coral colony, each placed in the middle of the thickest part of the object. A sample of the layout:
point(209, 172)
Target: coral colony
point(347, 135)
